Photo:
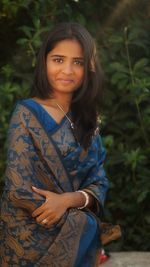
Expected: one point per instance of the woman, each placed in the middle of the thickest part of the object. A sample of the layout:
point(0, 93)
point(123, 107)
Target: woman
point(55, 183)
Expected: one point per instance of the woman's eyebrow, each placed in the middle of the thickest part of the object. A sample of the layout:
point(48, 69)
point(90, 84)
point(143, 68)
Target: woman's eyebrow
point(57, 56)
point(81, 58)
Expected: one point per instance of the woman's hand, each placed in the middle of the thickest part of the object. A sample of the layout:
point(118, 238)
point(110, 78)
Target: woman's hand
point(53, 208)
point(56, 205)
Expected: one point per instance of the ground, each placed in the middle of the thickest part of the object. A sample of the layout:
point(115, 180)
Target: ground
point(128, 259)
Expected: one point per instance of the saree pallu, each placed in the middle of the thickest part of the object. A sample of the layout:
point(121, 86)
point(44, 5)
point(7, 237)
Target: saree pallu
point(44, 154)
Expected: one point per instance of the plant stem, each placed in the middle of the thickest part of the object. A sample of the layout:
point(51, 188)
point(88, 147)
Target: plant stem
point(128, 57)
point(33, 53)
point(133, 84)
point(141, 122)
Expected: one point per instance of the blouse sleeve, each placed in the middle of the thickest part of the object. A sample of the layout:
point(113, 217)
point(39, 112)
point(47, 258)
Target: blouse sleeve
point(97, 182)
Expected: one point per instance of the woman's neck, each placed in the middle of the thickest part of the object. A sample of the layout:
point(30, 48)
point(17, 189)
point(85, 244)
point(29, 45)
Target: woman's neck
point(63, 101)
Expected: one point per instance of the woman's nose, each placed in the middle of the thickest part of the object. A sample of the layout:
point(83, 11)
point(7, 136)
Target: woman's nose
point(67, 68)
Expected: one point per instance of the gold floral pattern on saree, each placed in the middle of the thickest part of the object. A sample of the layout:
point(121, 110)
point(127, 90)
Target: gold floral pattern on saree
point(35, 159)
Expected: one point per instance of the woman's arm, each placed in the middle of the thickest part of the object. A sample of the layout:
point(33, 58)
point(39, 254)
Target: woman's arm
point(95, 185)
point(55, 205)
point(22, 166)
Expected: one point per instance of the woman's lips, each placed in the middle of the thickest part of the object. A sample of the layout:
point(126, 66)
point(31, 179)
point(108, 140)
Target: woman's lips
point(65, 81)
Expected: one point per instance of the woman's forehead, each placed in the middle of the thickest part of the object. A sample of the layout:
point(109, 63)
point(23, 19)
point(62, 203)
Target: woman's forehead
point(68, 47)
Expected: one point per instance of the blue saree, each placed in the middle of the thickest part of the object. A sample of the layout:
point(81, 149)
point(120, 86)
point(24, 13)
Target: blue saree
point(44, 154)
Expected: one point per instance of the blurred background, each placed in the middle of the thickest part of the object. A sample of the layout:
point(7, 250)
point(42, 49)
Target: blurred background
point(121, 29)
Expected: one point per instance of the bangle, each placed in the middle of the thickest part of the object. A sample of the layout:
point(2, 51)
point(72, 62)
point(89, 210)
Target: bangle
point(86, 199)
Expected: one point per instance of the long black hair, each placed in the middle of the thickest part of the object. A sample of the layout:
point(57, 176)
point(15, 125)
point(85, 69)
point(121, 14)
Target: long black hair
point(86, 101)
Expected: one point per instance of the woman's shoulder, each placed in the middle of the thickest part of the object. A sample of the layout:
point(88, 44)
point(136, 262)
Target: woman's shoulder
point(25, 105)
point(21, 102)
point(25, 102)
point(98, 142)
point(28, 110)
point(20, 110)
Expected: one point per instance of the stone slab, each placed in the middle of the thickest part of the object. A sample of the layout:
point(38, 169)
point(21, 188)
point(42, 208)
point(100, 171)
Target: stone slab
point(128, 259)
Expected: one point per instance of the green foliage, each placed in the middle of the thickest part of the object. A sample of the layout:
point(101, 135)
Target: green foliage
point(126, 61)
point(123, 44)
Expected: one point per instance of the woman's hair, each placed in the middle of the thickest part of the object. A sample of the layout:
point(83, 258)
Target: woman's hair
point(86, 101)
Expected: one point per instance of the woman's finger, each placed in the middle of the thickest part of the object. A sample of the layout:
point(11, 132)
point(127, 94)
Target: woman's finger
point(40, 191)
point(45, 221)
point(51, 221)
point(48, 220)
point(39, 210)
point(43, 215)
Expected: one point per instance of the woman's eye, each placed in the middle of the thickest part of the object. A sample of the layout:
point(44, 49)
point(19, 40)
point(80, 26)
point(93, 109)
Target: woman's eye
point(58, 60)
point(79, 62)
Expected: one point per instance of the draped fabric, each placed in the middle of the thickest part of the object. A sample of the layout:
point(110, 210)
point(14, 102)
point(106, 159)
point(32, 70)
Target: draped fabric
point(44, 153)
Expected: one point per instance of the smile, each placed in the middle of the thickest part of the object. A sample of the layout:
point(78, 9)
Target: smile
point(65, 81)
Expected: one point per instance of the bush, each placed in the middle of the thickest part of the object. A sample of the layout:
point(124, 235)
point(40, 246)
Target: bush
point(126, 129)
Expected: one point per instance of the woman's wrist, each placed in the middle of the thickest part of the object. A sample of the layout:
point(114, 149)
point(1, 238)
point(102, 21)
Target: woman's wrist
point(76, 199)
point(87, 199)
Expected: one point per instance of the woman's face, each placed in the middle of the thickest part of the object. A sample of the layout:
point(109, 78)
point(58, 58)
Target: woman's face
point(65, 67)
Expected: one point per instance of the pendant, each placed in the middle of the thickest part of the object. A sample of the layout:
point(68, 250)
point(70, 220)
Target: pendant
point(73, 132)
point(72, 125)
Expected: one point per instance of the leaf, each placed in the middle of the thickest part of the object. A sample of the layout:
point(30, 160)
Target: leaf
point(116, 66)
point(140, 64)
point(142, 196)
